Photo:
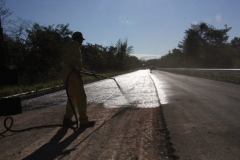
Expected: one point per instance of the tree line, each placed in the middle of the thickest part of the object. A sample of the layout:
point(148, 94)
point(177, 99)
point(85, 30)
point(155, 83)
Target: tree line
point(35, 52)
point(203, 46)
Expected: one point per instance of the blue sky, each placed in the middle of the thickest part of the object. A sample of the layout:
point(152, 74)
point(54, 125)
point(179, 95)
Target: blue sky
point(152, 27)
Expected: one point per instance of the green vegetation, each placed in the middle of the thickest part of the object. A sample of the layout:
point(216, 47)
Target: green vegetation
point(13, 90)
point(35, 52)
point(231, 78)
point(37, 57)
point(203, 46)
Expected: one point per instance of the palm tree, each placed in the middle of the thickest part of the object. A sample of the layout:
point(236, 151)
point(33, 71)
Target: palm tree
point(123, 50)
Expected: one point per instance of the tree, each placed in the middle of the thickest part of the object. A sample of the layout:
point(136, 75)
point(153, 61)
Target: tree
point(203, 43)
point(16, 29)
point(194, 39)
point(122, 51)
point(93, 58)
point(132, 62)
point(217, 36)
point(4, 12)
point(35, 51)
point(235, 42)
point(111, 57)
point(42, 51)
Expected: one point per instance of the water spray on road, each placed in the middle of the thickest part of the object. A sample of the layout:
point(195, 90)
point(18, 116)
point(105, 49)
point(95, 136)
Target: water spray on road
point(103, 77)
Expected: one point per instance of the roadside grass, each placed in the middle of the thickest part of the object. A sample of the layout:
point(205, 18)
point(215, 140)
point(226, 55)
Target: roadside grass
point(13, 90)
point(230, 78)
point(19, 89)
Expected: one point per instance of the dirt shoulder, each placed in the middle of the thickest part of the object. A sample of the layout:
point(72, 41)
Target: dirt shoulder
point(119, 133)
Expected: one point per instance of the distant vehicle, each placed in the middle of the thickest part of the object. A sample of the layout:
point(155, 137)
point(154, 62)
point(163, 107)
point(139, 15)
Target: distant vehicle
point(143, 66)
point(152, 67)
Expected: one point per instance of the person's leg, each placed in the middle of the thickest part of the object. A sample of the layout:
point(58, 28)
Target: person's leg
point(81, 99)
point(82, 106)
point(69, 111)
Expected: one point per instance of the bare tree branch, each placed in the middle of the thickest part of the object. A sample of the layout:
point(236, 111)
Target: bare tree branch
point(4, 12)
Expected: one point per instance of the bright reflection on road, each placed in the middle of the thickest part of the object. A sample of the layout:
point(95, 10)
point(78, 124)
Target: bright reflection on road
point(137, 90)
point(161, 86)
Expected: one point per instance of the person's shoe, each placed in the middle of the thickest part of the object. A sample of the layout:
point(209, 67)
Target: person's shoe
point(87, 124)
point(68, 122)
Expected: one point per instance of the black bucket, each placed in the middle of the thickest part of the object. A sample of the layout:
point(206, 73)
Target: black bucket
point(10, 106)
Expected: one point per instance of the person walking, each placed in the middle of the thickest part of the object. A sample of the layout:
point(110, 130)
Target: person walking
point(72, 61)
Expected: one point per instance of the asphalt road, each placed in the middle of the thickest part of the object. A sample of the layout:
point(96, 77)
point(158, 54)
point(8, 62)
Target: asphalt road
point(202, 116)
point(129, 124)
point(134, 89)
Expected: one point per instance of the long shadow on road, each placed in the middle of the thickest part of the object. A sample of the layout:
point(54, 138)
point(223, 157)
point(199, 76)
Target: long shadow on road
point(53, 148)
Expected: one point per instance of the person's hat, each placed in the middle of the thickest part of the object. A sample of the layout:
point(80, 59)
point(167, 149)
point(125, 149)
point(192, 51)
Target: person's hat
point(77, 35)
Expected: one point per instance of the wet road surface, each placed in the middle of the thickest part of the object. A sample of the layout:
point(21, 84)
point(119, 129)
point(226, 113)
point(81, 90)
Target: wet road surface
point(201, 115)
point(136, 89)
